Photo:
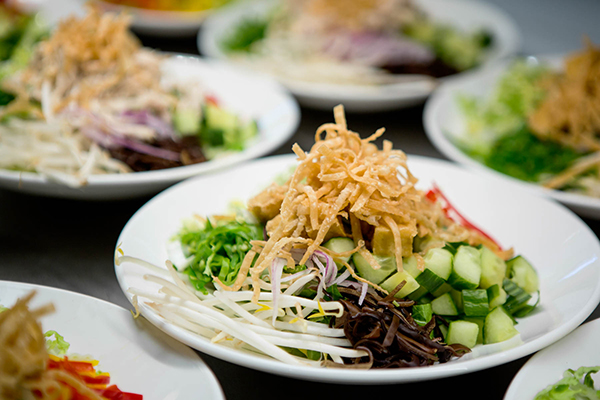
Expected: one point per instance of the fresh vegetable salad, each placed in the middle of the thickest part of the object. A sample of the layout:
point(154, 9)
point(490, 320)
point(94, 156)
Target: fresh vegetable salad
point(93, 101)
point(346, 264)
point(34, 365)
point(354, 42)
point(540, 125)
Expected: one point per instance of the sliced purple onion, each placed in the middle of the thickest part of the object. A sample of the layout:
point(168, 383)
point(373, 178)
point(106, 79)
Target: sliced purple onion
point(276, 271)
point(376, 49)
point(351, 284)
point(330, 267)
point(363, 293)
point(145, 117)
point(345, 275)
point(296, 275)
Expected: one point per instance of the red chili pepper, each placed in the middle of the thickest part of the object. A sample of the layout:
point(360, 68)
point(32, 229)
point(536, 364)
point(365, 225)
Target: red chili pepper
point(451, 212)
point(212, 100)
point(114, 393)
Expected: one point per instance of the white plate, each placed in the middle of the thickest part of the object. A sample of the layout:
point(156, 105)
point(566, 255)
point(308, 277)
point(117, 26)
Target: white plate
point(248, 94)
point(160, 22)
point(464, 14)
point(139, 358)
point(443, 121)
point(579, 349)
point(562, 248)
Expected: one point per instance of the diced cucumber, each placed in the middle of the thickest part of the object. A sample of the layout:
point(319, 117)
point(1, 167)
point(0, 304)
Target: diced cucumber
point(218, 118)
point(523, 274)
point(516, 297)
point(249, 130)
point(445, 288)
point(439, 261)
point(479, 321)
point(444, 305)
point(410, 265)
point(365, 270)
point(430, 280)
point(475, 302)
point(340, 245)
point(496, 296)
point(422, 313)
point(427, 298)
point(458, 299)
point(418, 294)
point(187, 121)
point(463, 332)
point(393, 281)
point(498, 326)
point(444, 330)
point(493, 269)
point(466, 269)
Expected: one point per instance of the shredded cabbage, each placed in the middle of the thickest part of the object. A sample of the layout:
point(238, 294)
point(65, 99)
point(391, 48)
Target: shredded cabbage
point(571, 387)
point(517, 94)
point(57, 346)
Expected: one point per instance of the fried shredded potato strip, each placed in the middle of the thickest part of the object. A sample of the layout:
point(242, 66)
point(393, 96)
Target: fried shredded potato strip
point(91, 59)
point(570, 112)
point(348, 179)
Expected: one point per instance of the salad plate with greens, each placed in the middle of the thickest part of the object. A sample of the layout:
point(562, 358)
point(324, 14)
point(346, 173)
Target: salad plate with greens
point(367, 55)
point(566, 370)
point(350, 263)
point(62, 345)
point(531, 120)
point(102, 117)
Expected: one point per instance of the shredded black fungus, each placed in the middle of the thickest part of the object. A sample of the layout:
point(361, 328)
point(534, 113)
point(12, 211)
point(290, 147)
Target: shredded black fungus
point(188, 147)
point(388, 333)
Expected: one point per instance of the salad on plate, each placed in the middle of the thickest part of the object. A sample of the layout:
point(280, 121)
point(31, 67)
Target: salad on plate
point(342, 262)
point(36, 365)
point(540, 125)
point(354, 42)
point(93, 101)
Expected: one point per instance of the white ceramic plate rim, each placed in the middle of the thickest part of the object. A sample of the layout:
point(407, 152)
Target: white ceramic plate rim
point(209, 378)
point(507, 30)
point(435, 132)
point(524, 378)
point(254, 150)
point(357, 376)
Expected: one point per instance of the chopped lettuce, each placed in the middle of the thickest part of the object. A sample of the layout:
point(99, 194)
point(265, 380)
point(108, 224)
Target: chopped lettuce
point(458, 49)
point(56, 346)
point(517, 94)
point(571, 386)
point(524, 156)
point(218, 248)
point(245, 35)
point(2, 308)
point(18, 37)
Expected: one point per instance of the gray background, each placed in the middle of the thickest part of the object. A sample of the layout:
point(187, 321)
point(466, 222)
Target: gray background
point(70, 244)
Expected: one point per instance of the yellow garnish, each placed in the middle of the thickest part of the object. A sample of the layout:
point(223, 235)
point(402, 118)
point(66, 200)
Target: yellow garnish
point(263, 307)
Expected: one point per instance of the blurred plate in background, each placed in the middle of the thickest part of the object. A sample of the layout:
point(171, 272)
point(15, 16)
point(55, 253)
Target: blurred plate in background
point(245, 93)
point(463, 14)
point(578, 349)
point(445, 122)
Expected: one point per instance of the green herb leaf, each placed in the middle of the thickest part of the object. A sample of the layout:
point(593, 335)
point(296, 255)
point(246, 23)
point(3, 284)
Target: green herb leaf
point(57, 346)
point(245, 35)
point(570, 386)
point(334, 292)
point(218, 250)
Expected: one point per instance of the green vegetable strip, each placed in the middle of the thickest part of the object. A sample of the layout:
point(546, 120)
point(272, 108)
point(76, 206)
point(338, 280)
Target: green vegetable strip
point(57, 346)
point(218, 250)
point(571, 387)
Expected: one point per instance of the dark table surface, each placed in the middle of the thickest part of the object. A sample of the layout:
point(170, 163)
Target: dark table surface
point(70, 244)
